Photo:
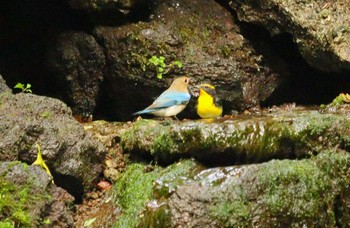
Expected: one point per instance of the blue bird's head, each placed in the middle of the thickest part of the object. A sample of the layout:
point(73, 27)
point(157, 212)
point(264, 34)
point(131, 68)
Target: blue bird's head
point(180, 84)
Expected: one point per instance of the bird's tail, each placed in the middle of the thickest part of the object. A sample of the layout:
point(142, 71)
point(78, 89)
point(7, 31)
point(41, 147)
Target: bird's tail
point(145, 111)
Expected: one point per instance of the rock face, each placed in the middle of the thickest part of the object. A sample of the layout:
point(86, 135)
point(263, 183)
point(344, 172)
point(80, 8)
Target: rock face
point(278, 193)
point(72, 155)
point(285, 166)
point(320, 28)
point(28, 198)
point(202, 36)
point(281, 133)
point(274, 194)
point(76, 62)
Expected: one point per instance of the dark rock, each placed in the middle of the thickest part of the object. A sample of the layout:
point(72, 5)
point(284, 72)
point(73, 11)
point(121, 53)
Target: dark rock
point(203, 37)
point(71, 154)
point(320, 28)
point(30, 199)
point(3, 86)
point(278, 133)
point(98, 5)
point(76, 62)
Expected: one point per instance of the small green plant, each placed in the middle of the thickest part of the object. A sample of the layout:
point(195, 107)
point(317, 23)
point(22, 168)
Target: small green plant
point(13, 205)
point(89, 222)
point(46, 221)
point(342, 98)
point(160, 65)
point(25, 89)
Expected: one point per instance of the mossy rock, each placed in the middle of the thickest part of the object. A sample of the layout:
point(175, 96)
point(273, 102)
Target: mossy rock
point(138, 186)
point(312, 192)
point(27, 198)
point(241, 139)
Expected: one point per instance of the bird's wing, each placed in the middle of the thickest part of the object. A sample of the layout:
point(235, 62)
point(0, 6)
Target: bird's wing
point(168, 99)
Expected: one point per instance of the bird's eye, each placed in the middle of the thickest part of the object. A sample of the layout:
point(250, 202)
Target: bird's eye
point(186, 80)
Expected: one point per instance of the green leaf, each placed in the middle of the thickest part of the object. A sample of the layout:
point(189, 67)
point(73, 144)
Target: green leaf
point(177, 63)
point(19, 86)
point(154, 60)
point(159, 75)
point(47, 221)
point(89, 222)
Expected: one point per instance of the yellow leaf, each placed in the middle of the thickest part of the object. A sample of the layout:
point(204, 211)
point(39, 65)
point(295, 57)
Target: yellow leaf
point(40, 161)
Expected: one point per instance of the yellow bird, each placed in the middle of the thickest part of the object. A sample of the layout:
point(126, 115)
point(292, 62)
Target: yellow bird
point(208, 105)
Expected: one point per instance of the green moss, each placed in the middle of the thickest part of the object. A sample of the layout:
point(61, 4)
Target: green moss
point(14, 201)
point(304, 191)
point(46, 114)
point(134, 188)
point(161, 143)
point(250, 139)
point(226, 50)
point(303, 176)
point(18, 200)
point(7, 224)
point(284, 193)
point(231, 214)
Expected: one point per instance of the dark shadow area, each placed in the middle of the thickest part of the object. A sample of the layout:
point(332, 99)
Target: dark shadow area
point(305, 85)
point(28, 27)
point(25, 28)
point(72, 185)
point(301, 83)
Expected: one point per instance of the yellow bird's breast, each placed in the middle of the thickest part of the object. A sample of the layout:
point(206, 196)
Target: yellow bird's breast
point(206, 107)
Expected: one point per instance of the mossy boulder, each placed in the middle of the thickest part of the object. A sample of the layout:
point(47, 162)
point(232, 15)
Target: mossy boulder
point(30, 199)
point(141, 183)
point(279, 133)
point(72, 155)
point(279, 193)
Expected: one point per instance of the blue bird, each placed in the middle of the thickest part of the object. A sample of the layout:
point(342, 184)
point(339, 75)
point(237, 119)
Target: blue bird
point(172, 101)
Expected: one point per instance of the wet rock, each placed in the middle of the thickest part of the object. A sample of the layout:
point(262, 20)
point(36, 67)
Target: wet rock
point(74, 158)
point(76, 63)
point(320, 28)
point(137, 186)
point(275, 133)
point(28, 198)
point(203, 37)
point(278, 193)
point(310, 192)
